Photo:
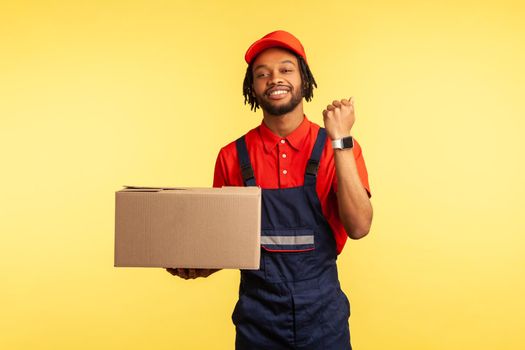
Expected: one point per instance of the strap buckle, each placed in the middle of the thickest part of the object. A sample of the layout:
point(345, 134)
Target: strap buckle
point(247, 172)
point(311, 167)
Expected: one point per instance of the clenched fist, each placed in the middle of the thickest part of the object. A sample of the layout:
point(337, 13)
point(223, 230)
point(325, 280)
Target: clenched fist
point(339, 118)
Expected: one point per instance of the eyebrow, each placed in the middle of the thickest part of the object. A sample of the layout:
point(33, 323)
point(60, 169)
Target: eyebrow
point(263, 65)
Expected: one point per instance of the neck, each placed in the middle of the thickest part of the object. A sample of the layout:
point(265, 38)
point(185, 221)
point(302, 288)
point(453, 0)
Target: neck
point(283, 125)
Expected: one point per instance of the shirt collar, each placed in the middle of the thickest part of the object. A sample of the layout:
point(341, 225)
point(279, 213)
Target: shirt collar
point(296, 138)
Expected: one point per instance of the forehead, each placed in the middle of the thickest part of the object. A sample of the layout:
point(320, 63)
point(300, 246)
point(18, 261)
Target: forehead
point(274, 56)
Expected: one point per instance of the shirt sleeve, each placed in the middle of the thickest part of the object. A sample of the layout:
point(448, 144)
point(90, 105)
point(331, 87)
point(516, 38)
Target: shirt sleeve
point(227, 171)
point(219, 178)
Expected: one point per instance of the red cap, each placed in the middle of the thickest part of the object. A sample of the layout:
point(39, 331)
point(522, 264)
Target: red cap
point(279, 38)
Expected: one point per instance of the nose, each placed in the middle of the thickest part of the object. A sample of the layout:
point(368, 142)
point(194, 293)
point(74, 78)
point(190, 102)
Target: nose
point(276, 78)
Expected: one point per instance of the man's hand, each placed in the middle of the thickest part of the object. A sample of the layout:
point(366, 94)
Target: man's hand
point(339, 118)
point(191, 273)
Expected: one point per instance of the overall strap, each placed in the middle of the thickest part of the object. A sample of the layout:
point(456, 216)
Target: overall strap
point(248, 176)
point(312, 166)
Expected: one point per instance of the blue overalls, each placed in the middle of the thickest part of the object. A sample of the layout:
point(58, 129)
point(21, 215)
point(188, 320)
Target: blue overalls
point(294, 301)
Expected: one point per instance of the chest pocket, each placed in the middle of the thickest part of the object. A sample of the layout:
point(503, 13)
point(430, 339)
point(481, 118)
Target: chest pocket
point(288, 240)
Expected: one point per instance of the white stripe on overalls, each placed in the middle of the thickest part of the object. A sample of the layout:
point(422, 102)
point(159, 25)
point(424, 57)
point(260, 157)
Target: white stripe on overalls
point(287, 240)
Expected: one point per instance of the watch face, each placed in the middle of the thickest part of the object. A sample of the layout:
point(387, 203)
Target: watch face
point(348, 142)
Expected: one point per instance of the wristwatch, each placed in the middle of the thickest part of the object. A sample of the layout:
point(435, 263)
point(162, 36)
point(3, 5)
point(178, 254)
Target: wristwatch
point(344, 143)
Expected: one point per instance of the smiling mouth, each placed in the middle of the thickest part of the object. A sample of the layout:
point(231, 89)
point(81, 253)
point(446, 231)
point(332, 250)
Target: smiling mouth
point(277, 92)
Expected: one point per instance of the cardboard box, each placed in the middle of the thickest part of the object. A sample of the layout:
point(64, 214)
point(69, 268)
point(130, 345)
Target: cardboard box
point(188, 227)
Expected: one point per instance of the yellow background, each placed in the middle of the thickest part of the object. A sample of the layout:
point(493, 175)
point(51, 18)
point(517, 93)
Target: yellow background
point(98, 94)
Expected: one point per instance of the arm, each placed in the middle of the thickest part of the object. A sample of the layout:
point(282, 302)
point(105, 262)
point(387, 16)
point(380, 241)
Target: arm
point(355, 209)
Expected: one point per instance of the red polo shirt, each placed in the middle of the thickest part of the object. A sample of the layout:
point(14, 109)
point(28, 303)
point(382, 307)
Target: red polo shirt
point(281, 162)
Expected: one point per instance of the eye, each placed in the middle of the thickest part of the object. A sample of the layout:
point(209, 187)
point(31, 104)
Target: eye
point(261, 75)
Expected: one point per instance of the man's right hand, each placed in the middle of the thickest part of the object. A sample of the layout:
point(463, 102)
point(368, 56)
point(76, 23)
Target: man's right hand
point(191, 273)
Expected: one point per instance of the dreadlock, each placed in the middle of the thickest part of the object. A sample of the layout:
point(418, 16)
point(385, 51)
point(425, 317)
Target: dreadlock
point(307, 80)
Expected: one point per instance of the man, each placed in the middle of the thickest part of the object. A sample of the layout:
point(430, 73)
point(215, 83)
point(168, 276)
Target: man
point(315, 194)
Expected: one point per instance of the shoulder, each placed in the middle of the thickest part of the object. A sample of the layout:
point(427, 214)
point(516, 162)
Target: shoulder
point(230, 149)
point(228, 154)
point(227, 170)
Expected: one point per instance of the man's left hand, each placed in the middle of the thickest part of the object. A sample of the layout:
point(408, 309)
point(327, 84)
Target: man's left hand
point(191, 273)
point(339, 118)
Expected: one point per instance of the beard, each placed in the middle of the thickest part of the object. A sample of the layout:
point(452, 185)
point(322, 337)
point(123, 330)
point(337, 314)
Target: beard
point(281, 109)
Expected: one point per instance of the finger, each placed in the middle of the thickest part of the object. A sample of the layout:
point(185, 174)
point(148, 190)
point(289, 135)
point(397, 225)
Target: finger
point(352, 100)
point(204, 272)
point(345, 102)
point(210, 271)
point(325, 113)
point(330, 107)
point(336, 103)
point(182, 273)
